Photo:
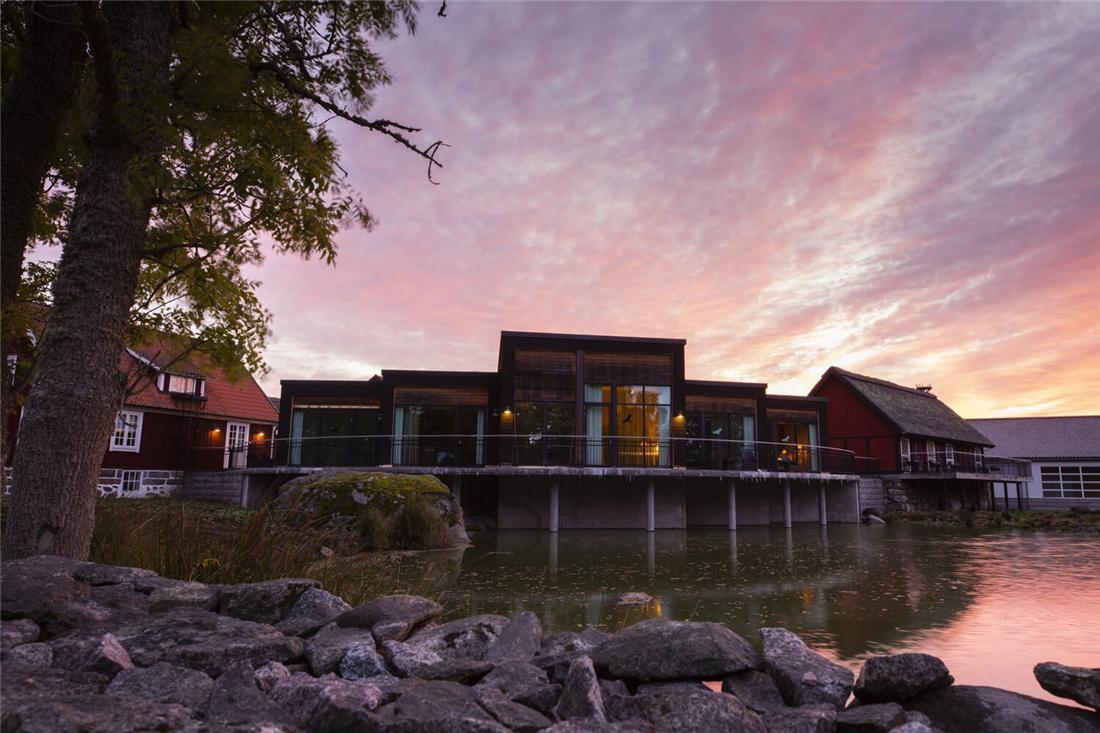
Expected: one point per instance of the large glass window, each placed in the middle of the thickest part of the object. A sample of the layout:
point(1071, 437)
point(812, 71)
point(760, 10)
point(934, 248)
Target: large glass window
point(1070, 482)
point(727, 440)
point(544, 433)
point(438, 435)
point(642, 424)
point(597, 424)
point(797, 449)
point(334, 436)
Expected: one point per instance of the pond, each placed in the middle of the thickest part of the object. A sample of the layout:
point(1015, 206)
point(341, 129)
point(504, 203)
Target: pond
point(991, 605)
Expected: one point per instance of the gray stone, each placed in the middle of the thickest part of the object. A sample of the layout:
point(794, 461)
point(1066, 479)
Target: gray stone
point(591, 726)
point(581, 698)
point(464, 638)
point(512, 678)
point(362, 661)
point(93, 714)
point(571, 641)
point(427, 701)
point(654, 688)
point(99, 652)
point(384, 682)
point(613, 687)
point(659, 649)
point(804, 677)
point(409, 660)
point(328, 703)
point(970, 709)
point(165, 683)
point(913, 727)
point(466, 671)
point(898, 677)
point(556, 666)
point(756, 689)
point(15, 632)
point(387, 721)
point(237, 699)
point(42, 589)
point(397, 614)
point(819, 718)
point(96, 574)
point(1080, 684)
point(35, 654)
point(23, 683)
point(512, 715)
point(519, 641)
point(873, 718)
point(313, 609)
point(915, 716)
point(269, 675)
point(184, 594)
point(540, 697)
point(325, 649)
point(265, 602)
point(686, 709)
point(192, 637)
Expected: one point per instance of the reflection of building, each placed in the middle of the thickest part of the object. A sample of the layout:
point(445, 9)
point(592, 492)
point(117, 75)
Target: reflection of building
point(1064, 453)
point(925, 454)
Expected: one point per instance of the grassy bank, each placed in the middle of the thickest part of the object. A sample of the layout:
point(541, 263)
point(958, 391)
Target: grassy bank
point(1047, 520)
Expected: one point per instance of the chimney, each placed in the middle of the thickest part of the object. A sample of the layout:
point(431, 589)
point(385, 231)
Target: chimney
point(924, 387)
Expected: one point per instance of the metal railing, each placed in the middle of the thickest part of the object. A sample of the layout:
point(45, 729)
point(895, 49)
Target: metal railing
point(939, 462)
point(544, 450)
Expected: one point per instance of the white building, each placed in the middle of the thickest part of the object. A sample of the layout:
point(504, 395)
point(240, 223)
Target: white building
point(1064, 454)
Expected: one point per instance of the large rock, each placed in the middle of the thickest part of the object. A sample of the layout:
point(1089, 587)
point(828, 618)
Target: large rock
point(82, 713)
point(102, 653)
point(756, 690)
point(313, 609)
point(466, 671)
point(19, 682)
point(513, 715)
point(519, 641)
point(328, 703)
point(572, 642)
point(362, 661)
point(325, 649)
point(970, 709)
point(581, 698)
point(409, 660)
point(898, 677)
point(237, 699)
point(660, 649)
point(540, 697)
point(427, 701)
point(819, 718)
point(15, 632)
point(183, 593)
point(1081, 684)
point(465, 638)
point(43, 589)
point(269, 675)
point(211, 643)
point(686, 709)
point(394, 616)
point(164, 683)
point(36, 654)
point(804, 676)
point(265, 602)
point(874, 718)
point(512, 678)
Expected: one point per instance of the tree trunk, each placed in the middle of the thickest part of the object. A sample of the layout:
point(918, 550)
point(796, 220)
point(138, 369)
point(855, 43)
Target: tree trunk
point(36, 103)
point(69, 418)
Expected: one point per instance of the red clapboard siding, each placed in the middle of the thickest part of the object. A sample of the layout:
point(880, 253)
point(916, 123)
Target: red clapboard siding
point(856, 427)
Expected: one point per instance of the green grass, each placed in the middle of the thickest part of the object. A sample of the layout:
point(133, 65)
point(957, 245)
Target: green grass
point(1034, 520)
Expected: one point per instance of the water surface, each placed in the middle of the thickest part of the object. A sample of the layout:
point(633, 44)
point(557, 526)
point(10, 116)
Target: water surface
point(991, 605)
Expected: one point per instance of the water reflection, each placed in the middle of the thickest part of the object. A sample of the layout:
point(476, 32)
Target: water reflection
point(992, 605)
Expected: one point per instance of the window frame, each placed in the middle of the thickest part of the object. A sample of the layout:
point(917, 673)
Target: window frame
point(135, 474)
point(905, 451)
point(949, 454)
point(115, 446)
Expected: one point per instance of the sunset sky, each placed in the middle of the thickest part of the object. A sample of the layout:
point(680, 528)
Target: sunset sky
point(907, 191)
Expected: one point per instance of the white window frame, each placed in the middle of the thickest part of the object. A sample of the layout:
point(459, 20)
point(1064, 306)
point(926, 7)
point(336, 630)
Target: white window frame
point(240, 458)
point(949, 454)
point(119, 446)
point(906, 454)
point(979, 457)
point(130, 474)
point(929, 451)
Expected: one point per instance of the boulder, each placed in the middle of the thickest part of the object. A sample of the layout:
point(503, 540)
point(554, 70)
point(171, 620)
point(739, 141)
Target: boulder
point(898, 677)
point(804, 677)
point(557, 666)
point(236, 699)
point(22, 683)
point(391, 617)
point(540, 697)
point(209, 642)
point(653, 688)
point(325, 649)
point(756, 690)
point(165, 683)
point(512, 678)
point(97, 574)
point(184, 593)
point(513, 715)
point(265, 602)
point(685, 709)
point(97, 652)
point(972, 709)
point(464, 638)
point(519, 641)
point(36, 654)
point(591, 726)
point(312, 610)
point(15, 632)
point(614, 687)
point(571, 641)
point(819, 718)
point(269, 675)
point(581, 698)
point(384, 683)
point(913, 727)
point(42, 588)
point(328, 703)
point(1080, 684)
point(659, 649)
point(873, 718)
point(409, 660)
point(465, 671)
point(427, 701)
point(93, 713)
point(362, 661)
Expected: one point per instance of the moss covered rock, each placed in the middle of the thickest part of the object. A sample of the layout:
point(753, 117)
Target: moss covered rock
point(389, 510)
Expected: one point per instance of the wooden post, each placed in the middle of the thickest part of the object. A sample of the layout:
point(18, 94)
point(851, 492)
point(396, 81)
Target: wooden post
point(1019, 497)
point(786, 502)
point(456, 490)
point(821, 509)
point(733, 505)
point(553, 505)
point(650, 511)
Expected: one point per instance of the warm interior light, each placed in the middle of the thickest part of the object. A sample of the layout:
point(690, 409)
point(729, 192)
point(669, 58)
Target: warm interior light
point(216, 430)
point(259, 436)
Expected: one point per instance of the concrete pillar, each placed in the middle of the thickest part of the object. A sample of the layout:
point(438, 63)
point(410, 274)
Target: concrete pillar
point(821, 510)
point(456, 490)
point(650, 555)
point(786, 502)
point(554, 505)
point(650, 511)
point(553, 554)
point(732, 505)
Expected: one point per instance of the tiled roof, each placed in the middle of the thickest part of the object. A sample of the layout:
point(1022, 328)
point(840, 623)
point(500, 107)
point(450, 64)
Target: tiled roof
point(228, 395)
point(1043, 437)
point(911, 411)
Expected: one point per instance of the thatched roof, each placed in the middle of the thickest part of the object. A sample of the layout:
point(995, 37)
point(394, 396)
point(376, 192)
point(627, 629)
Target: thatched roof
point(910, 411)
point(1049, 438)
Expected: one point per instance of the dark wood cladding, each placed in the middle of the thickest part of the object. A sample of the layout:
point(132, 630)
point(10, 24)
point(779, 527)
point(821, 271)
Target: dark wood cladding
point(371, 401)
point(809, 416)
point(545, 375)
point(707, 403)
point(620, 368)
point(441, 396)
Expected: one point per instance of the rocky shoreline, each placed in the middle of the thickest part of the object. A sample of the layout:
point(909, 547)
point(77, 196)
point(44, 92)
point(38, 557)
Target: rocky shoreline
point(89, 647)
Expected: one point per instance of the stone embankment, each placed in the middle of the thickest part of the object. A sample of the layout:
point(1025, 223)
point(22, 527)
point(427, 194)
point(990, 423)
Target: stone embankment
point(89, 647)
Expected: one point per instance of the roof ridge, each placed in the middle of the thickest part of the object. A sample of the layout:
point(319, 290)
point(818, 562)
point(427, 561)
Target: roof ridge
point(1039, 417)
point(884, 382)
